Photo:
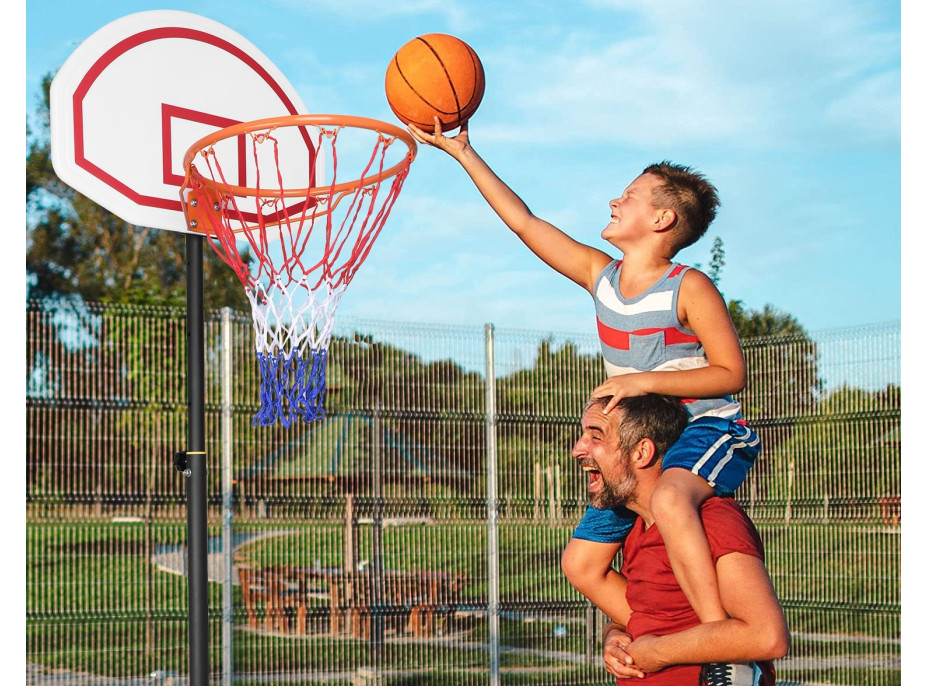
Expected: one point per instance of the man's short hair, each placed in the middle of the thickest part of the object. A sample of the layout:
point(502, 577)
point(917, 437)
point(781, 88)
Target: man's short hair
point(690, 195)
point(658, 417)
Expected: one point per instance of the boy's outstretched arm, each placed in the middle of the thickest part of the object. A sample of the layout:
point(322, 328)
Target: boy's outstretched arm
point(702, 309)
point(578, 262)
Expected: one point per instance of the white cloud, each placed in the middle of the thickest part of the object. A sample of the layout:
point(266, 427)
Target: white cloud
point(760, 74)
point(872, 107)
point(455, 15)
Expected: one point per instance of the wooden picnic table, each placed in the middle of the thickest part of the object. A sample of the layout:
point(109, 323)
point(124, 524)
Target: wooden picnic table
point(416, 602)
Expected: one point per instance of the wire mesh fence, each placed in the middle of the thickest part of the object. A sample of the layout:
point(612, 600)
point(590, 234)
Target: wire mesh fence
point(372, 546)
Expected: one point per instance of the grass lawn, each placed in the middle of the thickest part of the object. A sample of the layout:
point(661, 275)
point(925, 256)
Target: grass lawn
point(97, 604)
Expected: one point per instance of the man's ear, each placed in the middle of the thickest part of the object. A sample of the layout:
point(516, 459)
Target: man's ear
point(643, 454)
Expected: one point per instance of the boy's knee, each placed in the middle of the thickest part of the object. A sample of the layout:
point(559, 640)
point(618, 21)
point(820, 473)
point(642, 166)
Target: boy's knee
point(667, 493)
point(673, 496)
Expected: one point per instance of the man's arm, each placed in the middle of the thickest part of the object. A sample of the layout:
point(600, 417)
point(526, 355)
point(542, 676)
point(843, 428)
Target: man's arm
point(756, 629)
point(588, 567)
point(615, 636)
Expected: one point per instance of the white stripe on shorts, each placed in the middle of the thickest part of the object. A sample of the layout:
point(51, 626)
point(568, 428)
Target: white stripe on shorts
point(725, 460)
point(728, 454)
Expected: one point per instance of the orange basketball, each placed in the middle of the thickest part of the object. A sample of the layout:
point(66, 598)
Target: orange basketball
point(435, 74)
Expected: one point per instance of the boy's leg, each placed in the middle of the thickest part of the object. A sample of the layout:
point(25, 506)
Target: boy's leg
point(675, 505)
point(711, 457)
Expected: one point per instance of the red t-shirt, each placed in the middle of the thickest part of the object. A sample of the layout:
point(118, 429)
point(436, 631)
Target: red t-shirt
point(657, 602)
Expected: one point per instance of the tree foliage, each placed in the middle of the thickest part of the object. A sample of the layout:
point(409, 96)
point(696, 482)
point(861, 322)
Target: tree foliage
point(848, 451)
point(76, 248)
point(767, 322)
point(717, 261)
point(435, 404)
point(782, 363)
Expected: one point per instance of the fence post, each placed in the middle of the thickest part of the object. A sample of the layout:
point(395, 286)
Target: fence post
point(376, 575)
point(226, 438)
point(492, 512)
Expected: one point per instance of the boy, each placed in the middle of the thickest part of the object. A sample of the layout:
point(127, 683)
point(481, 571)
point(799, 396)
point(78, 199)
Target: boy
point(664, 329)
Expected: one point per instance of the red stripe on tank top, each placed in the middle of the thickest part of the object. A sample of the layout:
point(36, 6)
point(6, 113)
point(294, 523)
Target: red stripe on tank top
point(618, 339)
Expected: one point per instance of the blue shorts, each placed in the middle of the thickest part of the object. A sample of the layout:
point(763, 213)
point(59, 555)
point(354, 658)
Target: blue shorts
point(721, 451)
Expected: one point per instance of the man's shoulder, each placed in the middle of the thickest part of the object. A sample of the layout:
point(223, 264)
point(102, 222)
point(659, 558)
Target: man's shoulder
point(719, 510)
point(725, 506)
point(729, 528)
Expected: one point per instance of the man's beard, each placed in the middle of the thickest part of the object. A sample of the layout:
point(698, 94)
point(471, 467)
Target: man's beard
point(616, 494)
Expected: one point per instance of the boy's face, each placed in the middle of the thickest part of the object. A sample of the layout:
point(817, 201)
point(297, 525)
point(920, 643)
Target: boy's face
point(633, 213)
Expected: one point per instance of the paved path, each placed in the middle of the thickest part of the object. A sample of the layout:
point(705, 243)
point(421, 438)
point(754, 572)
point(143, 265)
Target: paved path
point(173, 558)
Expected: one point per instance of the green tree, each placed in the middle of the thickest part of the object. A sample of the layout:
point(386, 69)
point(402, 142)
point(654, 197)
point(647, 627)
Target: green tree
point(76, 248)
point(717, 261)
point(78, 255)
point(782, 364)
point(768, 322)
point(846, 455)
point(539, 411)
point(782, 361)
point(783, 381)
point(556, 385)
point(435, 404)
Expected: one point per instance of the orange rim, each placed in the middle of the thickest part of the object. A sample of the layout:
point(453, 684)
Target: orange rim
point(317, 120)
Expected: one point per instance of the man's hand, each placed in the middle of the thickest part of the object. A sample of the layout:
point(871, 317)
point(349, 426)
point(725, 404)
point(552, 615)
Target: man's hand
point(618, 662)
point(645, 651)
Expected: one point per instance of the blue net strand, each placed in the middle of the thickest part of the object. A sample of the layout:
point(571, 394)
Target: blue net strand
point(292, 388)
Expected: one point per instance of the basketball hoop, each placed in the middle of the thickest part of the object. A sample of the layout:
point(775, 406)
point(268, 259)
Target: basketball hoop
point(240, 194)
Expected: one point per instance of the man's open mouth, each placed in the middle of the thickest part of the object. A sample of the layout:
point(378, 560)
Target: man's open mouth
point(594, 475)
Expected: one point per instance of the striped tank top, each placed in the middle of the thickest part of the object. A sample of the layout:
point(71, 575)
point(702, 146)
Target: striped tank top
point(644, 334)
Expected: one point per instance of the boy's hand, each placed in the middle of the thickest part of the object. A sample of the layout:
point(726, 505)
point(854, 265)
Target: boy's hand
point(618, 662)
point(454, 146)
point(624, 386)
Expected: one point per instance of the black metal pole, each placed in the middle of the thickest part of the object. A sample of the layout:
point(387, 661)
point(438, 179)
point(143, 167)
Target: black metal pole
point(197, 605)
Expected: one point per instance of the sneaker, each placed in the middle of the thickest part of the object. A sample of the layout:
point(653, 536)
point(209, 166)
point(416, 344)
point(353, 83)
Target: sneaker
point(730, 674)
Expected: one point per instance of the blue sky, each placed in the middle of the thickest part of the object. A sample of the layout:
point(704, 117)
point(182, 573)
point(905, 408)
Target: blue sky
point(792, 108)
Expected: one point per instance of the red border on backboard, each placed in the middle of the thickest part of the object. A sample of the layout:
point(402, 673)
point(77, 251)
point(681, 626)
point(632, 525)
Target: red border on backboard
point(121, 48)
point(169, 112)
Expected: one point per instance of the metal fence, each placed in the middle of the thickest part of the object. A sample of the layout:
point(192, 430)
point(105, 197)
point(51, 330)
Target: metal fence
point(413, 536)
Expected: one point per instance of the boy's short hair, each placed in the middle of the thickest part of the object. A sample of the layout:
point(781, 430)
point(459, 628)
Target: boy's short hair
point(659, 417)
point(688, 193)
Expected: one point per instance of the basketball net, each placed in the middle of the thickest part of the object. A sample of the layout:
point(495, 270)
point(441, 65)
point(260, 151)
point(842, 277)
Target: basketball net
point(308, 243)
